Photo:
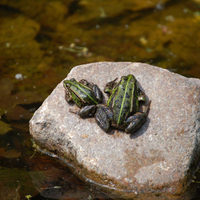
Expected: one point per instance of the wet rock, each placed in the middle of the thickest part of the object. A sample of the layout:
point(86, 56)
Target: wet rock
point(156, 161)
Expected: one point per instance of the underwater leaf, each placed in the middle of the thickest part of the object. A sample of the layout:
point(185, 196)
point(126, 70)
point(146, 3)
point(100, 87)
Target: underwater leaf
point(13, 153)
point(4, 128)
point(9, 193)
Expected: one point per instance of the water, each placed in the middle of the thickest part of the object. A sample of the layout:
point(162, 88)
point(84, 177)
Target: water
point(40, 42)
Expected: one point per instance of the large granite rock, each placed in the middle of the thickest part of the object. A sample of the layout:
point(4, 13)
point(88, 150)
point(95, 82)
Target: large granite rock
point(156, 162)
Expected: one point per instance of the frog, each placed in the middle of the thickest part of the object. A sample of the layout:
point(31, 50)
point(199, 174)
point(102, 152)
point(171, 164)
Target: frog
point(122, 108)
point(84, 94)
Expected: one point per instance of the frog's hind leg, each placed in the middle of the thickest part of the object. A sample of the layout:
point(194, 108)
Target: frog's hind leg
point(97, 92)
point(103, 117)
point(87, 111)
point(135, 122)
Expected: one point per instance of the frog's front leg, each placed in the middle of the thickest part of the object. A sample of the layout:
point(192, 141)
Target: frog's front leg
point(135, 122)
point(103, 116)
point(109, 86)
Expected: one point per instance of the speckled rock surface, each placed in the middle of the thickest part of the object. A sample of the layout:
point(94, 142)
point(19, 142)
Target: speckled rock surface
point(155, 162)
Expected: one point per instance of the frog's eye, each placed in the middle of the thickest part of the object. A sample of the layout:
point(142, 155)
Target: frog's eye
point(133, 80)
point(72, 79)
point(124, 78)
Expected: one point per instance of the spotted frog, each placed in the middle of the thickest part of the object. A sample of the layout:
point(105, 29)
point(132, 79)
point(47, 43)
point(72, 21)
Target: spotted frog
point(122, 109)
point(84, 94)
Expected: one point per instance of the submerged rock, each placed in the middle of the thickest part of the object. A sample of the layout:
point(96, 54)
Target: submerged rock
point(156, 161)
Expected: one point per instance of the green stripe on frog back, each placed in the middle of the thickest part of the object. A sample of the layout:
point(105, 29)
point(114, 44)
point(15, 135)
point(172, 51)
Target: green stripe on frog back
point(81, 89)
point(77, 100)
point(124, 97)
point(136, 100)
point(113, 95)
point(133, 95)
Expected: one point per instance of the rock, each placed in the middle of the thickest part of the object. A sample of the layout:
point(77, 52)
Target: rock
point(156, 161)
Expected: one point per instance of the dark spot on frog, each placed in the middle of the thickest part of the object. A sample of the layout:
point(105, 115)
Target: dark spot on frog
point(117, 101)
point(127, 95)
point(81, 93)
point(116, 112)
point(124, 78)
point(126, 103)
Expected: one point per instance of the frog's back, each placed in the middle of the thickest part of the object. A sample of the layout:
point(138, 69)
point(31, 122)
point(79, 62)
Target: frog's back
point(122, 100)
point(88, 95)
point(85, 93)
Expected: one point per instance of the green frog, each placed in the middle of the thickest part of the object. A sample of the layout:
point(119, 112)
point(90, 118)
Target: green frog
point(122, 109)
point(84, 94)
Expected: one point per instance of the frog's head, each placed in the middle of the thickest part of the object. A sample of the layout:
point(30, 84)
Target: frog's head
point(129, 78)
point(69, 83)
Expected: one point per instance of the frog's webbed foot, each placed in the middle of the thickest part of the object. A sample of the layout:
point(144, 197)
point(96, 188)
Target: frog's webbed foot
point(135, 122)
point(103, 116)
point(74, 111)
point(141, 96)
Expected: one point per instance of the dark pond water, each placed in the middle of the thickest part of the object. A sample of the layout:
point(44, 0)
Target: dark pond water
point(41, 41)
